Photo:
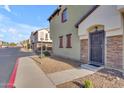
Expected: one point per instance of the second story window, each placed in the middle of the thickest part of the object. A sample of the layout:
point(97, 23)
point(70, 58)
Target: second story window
point(64, 15)
point(46, 38)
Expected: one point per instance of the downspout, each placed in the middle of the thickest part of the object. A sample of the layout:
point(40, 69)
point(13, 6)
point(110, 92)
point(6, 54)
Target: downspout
point(123, 42)
point(122, 16)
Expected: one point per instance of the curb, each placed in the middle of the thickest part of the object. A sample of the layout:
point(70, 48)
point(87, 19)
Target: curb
point(13, 75)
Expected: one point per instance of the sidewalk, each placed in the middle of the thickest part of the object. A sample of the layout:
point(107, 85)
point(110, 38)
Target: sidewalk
point(68, 75)
point(25, 50)
point(29, 75)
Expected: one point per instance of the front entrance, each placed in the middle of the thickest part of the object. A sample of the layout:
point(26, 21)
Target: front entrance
point(97, 43)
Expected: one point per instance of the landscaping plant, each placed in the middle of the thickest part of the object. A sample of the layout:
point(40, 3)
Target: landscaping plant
point(46, 53)
point(88, 84)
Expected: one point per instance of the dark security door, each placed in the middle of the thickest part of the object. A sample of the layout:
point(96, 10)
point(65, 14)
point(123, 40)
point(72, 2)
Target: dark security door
point(97, 41)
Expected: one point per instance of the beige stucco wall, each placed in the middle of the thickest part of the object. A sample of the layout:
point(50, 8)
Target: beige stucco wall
point(109, 16)
point(61, 29)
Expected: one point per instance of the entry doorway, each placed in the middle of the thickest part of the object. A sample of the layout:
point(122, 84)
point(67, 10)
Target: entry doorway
point(97, 47)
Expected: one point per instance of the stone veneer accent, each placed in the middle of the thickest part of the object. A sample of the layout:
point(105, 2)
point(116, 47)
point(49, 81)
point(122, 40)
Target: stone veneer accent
point(115, 51)
point(84, 51)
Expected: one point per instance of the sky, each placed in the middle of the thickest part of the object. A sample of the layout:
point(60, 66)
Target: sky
point(18, 21)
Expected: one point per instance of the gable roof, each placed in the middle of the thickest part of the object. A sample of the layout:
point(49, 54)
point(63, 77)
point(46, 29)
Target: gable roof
point(47, 29)
point(55, 12)
point(86, 15)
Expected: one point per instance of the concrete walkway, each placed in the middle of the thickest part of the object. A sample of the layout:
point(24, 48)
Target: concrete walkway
point(29, 75)
point(68, 75)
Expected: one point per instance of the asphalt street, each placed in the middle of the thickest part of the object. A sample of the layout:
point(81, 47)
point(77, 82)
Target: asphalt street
point(8, 57)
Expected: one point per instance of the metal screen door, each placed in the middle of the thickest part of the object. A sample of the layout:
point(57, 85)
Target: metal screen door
point(97, 42)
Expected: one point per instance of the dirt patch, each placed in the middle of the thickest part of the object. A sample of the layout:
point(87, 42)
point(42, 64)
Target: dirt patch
point(55, 64)
point(105, 78)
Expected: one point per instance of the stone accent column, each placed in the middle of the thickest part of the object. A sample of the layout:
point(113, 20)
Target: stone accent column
point(84, 51)
point(115, 51)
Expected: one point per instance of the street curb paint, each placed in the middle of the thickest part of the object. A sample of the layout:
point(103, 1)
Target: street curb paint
point(12, 76)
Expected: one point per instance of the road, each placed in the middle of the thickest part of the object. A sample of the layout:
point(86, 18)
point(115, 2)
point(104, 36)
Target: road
point(8, 57)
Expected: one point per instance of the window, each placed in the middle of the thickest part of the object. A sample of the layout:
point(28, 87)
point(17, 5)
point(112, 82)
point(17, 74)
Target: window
point(46, 37)
point(64, 15)
point(68, 42)
point(61, 42)
point(41, 36)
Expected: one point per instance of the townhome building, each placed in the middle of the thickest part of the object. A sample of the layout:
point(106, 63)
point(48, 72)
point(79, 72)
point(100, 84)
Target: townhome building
point(101, 36)
point(91, 34)
point(40, 39)
point(64, 34)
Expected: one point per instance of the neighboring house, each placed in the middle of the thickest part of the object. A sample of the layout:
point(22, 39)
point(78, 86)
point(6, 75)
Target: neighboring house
point(41, 39)
point(19, 44)
point(5, 44)
point(64, 34)
point(1, 44)
point(91, 34)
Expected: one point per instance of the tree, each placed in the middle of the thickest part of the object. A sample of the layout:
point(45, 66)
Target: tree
point(12, 44)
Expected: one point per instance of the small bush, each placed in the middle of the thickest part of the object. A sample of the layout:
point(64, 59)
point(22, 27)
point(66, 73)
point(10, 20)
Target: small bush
point(46, 53)
point(40, 56)
point(88, 84)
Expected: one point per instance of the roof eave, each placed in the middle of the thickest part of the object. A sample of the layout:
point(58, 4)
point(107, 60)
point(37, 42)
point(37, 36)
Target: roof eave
point(54, 13)
point(86, 15)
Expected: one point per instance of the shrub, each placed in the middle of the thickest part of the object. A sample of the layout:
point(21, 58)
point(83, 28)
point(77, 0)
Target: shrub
point(41, 55)
point(46, 53)
point(88, 84)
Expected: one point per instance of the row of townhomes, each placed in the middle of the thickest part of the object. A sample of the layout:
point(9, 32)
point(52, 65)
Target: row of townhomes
point(90, 34)
point(3, 44)
point(40, 39)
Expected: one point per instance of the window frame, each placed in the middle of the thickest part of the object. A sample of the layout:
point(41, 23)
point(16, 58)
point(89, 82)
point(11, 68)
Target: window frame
point(60, 41)
point(64, 14)
point(46, 36)
point(69, 41)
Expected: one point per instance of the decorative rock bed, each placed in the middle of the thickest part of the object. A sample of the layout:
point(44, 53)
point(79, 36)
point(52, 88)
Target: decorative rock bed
point(105, 78)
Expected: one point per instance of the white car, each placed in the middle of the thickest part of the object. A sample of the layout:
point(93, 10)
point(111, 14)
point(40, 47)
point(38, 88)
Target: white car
point(4, 46)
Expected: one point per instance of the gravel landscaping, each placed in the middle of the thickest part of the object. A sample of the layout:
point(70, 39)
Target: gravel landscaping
point(55, 64)
point(105, 78)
